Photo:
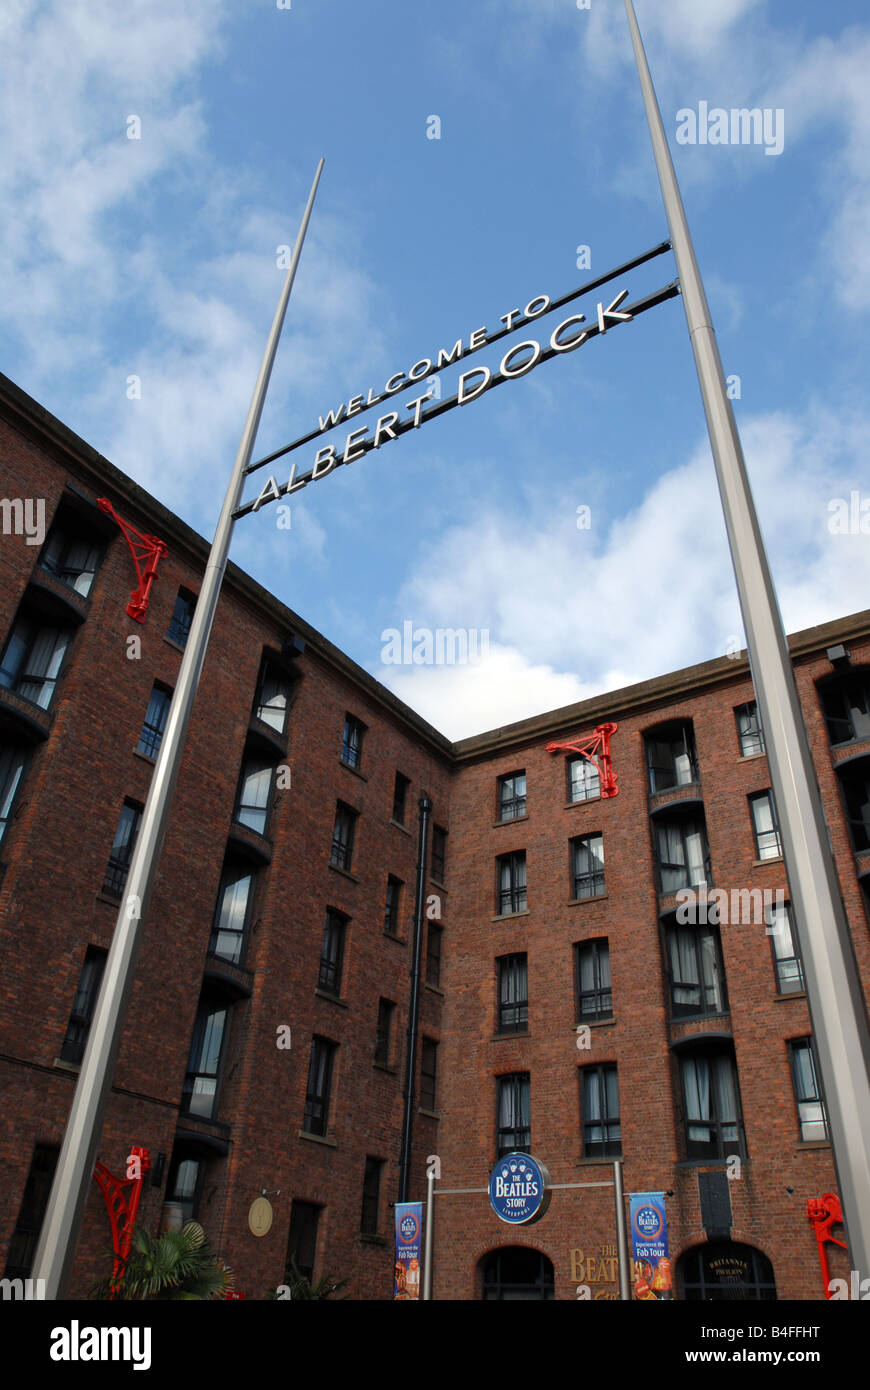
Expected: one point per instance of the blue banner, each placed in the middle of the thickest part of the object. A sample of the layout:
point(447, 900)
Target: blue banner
point(649, 1246)
point(409, 1223)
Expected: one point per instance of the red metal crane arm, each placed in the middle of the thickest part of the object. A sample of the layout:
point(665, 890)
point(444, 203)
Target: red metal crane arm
point(146, 551)
point(598, 742)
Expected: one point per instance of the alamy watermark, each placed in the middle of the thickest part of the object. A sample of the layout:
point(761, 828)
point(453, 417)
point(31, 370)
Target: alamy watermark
point(740, 907)
point(24, 516)
point(849, 518)
point(441, 646)
point(740, 126)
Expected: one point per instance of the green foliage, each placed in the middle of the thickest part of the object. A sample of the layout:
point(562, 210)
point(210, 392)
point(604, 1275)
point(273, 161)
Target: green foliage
point(177, 1265)
point(302, 1290)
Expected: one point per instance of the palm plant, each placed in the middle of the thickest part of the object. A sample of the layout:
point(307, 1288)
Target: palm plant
point(302, 1289)
point(176, 1265)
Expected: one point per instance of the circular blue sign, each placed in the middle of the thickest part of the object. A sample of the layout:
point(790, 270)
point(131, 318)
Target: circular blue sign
point(517, 1186)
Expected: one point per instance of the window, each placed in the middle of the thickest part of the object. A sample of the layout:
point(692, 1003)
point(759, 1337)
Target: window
point(856, 791)
point(671, 758)
point(428, 1072)
point(317, 1090)
point(351, 743)
point(600, 1109)
point(807, 1091)
point(584, 783)
point(184, 1185)
point(439, 853)
point(342, 837)
point(594, 993)
point(182, 617)
point(22, 1246)
point(71, 555)
point(391, 910)
point(231, 914)
point(722, 1270)
point(32, 660)
point(512, 796)
point(697, 974)
point(514, 1114)
point(252, 804)
point(513, 993)
point(12, 763)
point(332, 952)
point(749, 729)
point(73, 1049)
point(382, 1039)
point(371, 1196)
point(767, 842)
point(433, 954)
point(846, 706)
point(302, 1241)
point(400, 794)
point(786, 957)
point(683, 857)
point(201, 1082)
point(587, 860)
point(122, 850)
point(712, 1104)
point(273, 698)
point(511, 882)
point(155, 721)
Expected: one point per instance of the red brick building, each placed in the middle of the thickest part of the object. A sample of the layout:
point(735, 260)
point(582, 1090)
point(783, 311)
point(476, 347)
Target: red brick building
point(567, 1009)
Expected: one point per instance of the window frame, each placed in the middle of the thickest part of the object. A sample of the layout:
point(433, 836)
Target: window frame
point(180, 624)
point(352, 742)
point(591, 878)
point(757, 799)
point(26, 632)
point(609, 1146)
point(512, 993)
point(384, 1032)
point(438, 867)
point(84, 1003)
point(589, 784)
point(393, 906)
point(155, 731)
point(517, 1086)
point(723, 1148)
point(264, 709)
point(14, 763)
point(370, 1215)
point(694, 935)
point(428, 1075)
point(401, 787)
point(657, 738)
point(781, 962)
point(118, 865)
point(341, 854)
point(753, 733)
point(513, 806)
point(814, 1099)
point(601, 993)
point(323, 1051)
point(202, 1051)
point(434, 933)
point(62, 530)
point(516, 892)
point(332, 950)
point(233, 873)
point(684, 828)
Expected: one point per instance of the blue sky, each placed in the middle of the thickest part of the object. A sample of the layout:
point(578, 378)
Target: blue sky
point(157, 257)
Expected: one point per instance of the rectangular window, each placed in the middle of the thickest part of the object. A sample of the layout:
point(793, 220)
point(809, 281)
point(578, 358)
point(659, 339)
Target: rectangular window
point(786, 957)
point(255, 788)
point(697, 973)
point(231, 914)
point(32, 661)
point(184, 1186)
point(201, 1083)
point(386, 1009)
point(371, 1196)
point(342, 837)
point(319, 1083)
point(332, 953)
point(683, 858)
point(511, 883)
point(513, 993)
point(428, 1072)
point(439, 853)
point(767, 841)
point(856, 792)
point(846, 705)
point(122, 850)
point(391, 909)
point(712, 1106)
point(85, 1002)
point(25, 1237)
point(514, 1114)
point(807, 1091)
point(273, 698)
point(155, 722)
point(671, 760)
point(12, 764)
point(182, 617)
point(749, 729)
point(72, 558)
point(587, 860)
point(351, 743)
point(584, 783)
point(302, 1241)
point(433, 955)
point(512, 796)
point(594, 992)
point(601, 1131)
point(400, 795)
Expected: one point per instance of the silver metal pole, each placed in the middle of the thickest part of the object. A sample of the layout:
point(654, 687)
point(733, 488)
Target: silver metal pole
point(836, 1003)
point(429, 1232)
point(621, 1234)
point(56, 1249)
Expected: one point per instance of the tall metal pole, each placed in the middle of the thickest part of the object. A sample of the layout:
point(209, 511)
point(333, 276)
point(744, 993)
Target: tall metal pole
point(425, 806)
point(57, 1243)
point(836, 1002)
point(429, 1235)
point(621, 1233)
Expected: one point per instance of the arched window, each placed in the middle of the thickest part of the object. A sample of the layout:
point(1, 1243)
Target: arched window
point(723, 1270)
point(515, 1272)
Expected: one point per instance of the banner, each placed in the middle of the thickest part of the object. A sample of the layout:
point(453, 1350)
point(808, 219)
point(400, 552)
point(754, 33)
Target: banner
point(409, 1222)
point(649, 1246)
